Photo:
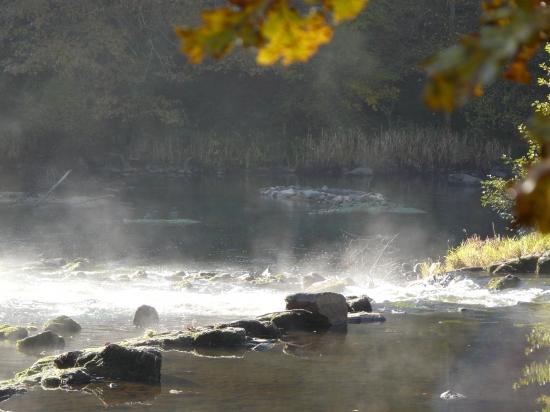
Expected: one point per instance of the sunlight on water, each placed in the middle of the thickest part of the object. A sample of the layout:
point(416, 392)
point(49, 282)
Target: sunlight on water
point(28, 290)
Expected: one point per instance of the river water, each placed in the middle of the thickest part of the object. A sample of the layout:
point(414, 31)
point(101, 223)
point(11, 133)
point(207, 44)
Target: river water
point(460, 337)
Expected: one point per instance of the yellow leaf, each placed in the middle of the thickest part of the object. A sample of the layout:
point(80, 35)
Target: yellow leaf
point(345, 9)
point(290, 37)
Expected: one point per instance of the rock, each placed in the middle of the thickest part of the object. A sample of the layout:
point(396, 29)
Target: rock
point(365, 317)
point(140, 274)
point(219, 338)
point(75, 378)
point(77, 265)
point(451, 396)
point(12, 333)
point(472, 269)
point(127, 364)
point(329, 285)
point(463, 179)
point(506, 282)
point(360, 172)
point(182, 340)
point(8, 392)
point(543, 266)
point(146, 316)
point(311, 278)
point(359, 304)
point(255, 329)
point(50, 382)
point(297, 320)
point(42, 341)
point(67, 360)
point(62, 325)
point(331, 305)
point(526, 264)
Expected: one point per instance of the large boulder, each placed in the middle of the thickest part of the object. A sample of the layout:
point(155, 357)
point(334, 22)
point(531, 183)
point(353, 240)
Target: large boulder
point(43, 341)
point(12, 333)
point(146, 316)
point(506, 282)
point(62, 325)
point(331, 305)
point(118, 362)
point(359, 304)
point(297, 320)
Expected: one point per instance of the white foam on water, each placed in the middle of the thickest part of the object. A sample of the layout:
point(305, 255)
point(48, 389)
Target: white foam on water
point(463, 291)
point(48, 293)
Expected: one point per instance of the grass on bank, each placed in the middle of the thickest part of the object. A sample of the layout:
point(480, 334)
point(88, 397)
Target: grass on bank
point(397, 150)
point(478, 252)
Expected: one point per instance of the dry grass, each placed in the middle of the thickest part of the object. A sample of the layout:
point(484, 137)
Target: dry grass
point(478, 252)
point(416, 149)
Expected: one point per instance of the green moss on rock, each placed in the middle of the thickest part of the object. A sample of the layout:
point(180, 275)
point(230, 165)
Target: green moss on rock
point(12, 333)
point(62, 325)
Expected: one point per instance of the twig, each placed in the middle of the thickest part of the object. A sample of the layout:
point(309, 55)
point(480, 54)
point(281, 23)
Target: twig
point(53, 188)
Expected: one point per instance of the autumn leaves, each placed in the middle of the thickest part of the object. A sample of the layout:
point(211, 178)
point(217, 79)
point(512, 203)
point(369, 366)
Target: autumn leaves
point(277, 30)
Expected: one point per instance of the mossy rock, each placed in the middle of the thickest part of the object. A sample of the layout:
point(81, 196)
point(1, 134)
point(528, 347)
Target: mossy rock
point(42, 341)
point(62, 325)
point(297, 320)
point(506, 282)
point(255, 328)
point(219, 337)
point(12, 333)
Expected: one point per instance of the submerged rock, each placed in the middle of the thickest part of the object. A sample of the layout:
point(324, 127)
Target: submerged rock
point(297, 320)
point(451, 395)
point(311, 278)
point(219, 338)
point(12, 333)
point(8, 391)
point(331, 305)
point(329, 285)
point(146, 316)
point(506, 282)
point(463, 179)
point(365, 317)
point(359, 304)
point(360, 172)
point(40, 342)
point(62, 325)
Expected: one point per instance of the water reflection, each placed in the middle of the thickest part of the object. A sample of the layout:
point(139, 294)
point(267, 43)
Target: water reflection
point(537, 373)
point(124, 393)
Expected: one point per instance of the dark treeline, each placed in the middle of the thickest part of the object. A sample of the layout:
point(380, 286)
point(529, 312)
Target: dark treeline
point(85, 82)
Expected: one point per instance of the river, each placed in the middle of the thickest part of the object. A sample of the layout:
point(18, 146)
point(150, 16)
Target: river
point(460, 337)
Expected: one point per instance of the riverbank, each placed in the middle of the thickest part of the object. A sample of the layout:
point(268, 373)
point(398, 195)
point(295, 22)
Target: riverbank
point(323, 152)
point(523, 253)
